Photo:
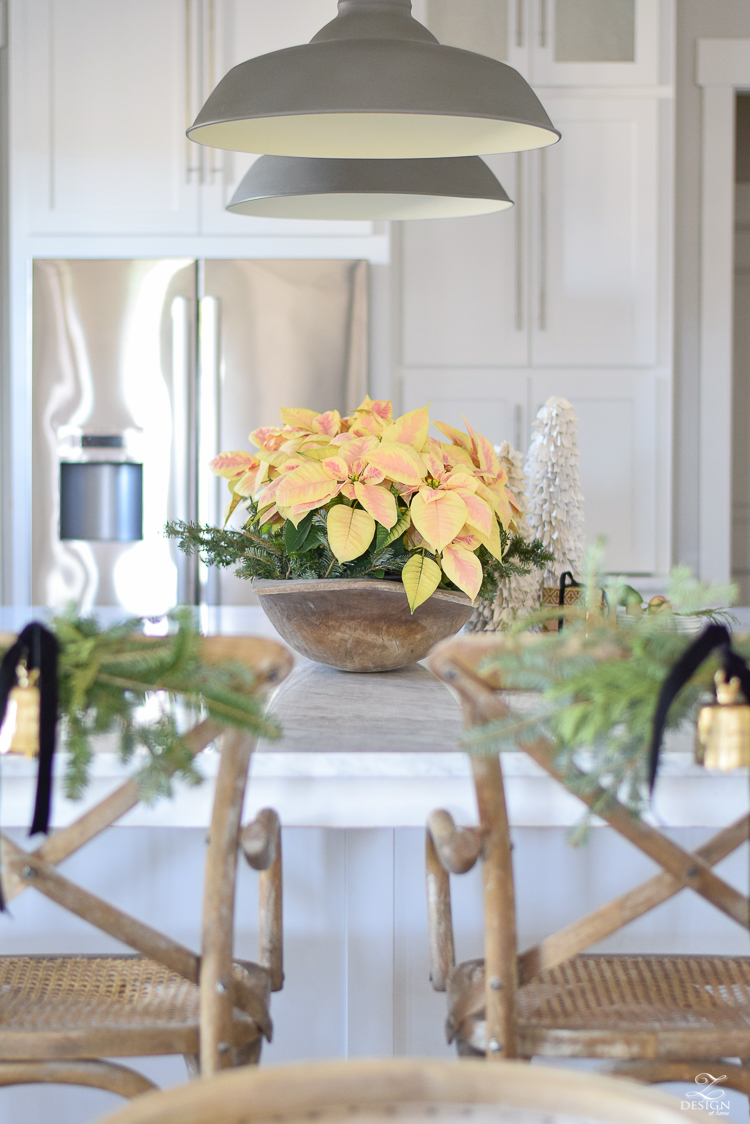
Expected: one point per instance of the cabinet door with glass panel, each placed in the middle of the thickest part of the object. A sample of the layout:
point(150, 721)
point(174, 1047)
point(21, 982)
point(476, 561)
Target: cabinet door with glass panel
point(558, 42)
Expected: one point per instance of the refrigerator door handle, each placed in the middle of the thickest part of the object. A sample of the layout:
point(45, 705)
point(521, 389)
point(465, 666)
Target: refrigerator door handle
point(209, 408)
point(181, 408)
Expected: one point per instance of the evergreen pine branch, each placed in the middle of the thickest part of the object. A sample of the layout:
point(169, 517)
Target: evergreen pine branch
point(256, 553)
point(104, 677)
point(599, 683)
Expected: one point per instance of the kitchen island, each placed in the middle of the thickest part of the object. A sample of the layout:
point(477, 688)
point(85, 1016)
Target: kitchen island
point(362, 761)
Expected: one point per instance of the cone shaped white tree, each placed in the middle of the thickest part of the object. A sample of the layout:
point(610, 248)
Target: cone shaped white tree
point(519, 594)
point(555, 511)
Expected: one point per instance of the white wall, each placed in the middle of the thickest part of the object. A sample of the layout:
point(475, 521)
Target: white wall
point(695, 19)
point(5, 524)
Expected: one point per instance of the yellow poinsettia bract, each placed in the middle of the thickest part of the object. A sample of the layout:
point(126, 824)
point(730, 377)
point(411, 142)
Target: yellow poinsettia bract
point(421, 577)
point(370, 473)
point(350, 531)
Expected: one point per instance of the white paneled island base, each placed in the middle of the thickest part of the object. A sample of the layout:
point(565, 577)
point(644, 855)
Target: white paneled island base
point(376, 790)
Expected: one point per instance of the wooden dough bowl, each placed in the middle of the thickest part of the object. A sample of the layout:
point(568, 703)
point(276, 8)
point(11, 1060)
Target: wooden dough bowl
point(359, 625)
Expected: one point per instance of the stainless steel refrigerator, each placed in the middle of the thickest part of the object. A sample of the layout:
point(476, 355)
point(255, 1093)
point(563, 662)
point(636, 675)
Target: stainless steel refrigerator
point(162, 364)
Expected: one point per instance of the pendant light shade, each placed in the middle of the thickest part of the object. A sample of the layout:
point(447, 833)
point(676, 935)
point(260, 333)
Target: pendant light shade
point(304, 188)
point(373, 83)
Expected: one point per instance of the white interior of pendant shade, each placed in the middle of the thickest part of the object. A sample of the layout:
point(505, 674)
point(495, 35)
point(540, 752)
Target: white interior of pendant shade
point(373, 206)
point(378, 135)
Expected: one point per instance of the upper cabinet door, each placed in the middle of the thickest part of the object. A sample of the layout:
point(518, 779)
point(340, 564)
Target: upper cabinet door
point(594, 251)
point(594, 42)
point(233, 31)
point(557, 42)
point(102, 94)
point(464, 298)
point(501, 29)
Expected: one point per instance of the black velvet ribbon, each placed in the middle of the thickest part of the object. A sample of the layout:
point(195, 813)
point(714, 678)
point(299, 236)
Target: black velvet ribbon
point(567, 581)
point(39, 648)
point(715, 636)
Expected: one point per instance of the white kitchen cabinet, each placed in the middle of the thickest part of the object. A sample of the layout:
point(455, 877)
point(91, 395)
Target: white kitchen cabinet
point(594, 42)
point(593, 252)
point(619, 443)
point(618, 436)
point(102, 93)
point(570, 293)
point(558, 42)
point(465, 284)
point(568, 277)
point(494, 402)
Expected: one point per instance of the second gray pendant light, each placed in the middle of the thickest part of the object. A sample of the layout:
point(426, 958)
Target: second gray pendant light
point(373, 84)
point(309, 188)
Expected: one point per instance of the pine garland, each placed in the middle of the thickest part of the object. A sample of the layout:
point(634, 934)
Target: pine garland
point(106, 676)
point(599, 681)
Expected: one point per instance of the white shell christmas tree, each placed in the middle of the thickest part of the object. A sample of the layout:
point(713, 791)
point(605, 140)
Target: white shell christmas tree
point(555, 511)
point(519, 594)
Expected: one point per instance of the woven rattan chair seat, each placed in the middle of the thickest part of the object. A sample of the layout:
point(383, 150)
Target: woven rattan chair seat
point(125, 1003)
point(631, 1001)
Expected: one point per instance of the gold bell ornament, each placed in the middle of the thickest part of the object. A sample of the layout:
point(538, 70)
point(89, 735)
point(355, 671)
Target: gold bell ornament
point(723, 736)
point(19, 732)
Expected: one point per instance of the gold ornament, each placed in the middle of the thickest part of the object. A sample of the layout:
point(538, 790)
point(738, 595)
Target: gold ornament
point(20, 729)
point(723, 740)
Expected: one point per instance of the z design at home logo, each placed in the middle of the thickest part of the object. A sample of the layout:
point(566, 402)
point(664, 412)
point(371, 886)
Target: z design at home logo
point(708, 1097)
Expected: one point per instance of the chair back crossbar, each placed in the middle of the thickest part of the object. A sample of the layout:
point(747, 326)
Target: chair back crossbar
point(231, 1008)
point(508, 984)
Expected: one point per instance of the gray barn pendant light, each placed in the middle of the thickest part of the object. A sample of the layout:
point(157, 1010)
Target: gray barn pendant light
point(307, 188)
point(373, 83)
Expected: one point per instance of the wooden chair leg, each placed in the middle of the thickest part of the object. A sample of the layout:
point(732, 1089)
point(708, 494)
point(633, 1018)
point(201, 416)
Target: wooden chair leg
point(216, 971)
point(95, 1074)
point(193, 1066)
point(439, 918)
point(261, 846)
point(249, 1054)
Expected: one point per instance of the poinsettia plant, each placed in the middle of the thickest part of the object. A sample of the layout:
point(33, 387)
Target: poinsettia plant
point(369, 495)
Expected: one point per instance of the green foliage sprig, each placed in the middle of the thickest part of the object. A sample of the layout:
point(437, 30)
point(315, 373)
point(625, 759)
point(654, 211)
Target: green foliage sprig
point(598, 682)
point(304, 551)
point(107, 676)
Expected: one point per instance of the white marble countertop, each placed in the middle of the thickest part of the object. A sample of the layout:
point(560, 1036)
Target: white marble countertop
point(368, 751)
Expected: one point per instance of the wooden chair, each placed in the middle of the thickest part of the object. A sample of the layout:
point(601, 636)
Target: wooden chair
point(60, 1014)
point(410, 1090)
point(659, 1018)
